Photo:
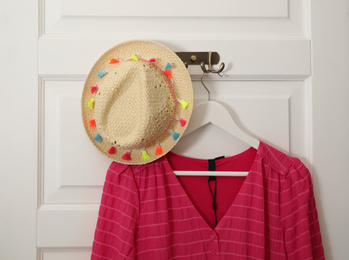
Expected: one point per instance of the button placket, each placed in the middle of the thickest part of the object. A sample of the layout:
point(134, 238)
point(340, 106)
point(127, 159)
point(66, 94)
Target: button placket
point(213, 245)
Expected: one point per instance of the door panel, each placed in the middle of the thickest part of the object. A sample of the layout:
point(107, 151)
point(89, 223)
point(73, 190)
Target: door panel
point(136, 18)
point(66, 226)
point(67, 254)
point(180, 8)
point(67, 174)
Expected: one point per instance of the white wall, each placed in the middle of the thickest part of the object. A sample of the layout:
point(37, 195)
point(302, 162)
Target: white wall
point(330, 86)
point(18, 129)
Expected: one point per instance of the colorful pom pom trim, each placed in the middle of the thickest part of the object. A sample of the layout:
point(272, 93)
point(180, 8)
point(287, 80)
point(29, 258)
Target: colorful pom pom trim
point(183, 102)
point(168, 73)
point(112, 61)
point(91, 103)
point(174, 134)
point(158, 150)
point(180, 120)
point(92, 123)
point(112, 150)
point(101, 74)
point(94, 89)
point(145, 155)
point(98, 138)
point(168, 66)
point(127, 156)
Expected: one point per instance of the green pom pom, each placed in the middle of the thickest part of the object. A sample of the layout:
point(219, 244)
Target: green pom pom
point(91, 103)
point(184, 103)
point(145, 155)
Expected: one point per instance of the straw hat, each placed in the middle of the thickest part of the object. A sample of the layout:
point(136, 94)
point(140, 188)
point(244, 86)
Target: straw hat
point(136, 102)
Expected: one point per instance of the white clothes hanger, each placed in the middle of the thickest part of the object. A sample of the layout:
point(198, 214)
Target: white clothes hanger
point(205, 113)
point(215, 113)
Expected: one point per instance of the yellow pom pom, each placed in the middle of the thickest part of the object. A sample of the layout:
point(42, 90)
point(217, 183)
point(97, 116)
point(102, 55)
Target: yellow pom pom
point(134, 58)
point(91, 103)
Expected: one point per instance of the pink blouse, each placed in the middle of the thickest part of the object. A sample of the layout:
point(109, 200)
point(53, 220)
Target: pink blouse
point(147, 212)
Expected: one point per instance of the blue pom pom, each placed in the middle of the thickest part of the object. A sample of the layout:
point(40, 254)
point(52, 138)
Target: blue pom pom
point(175, 135)
point(98, 138)
point(101, 74)
point(168, 66)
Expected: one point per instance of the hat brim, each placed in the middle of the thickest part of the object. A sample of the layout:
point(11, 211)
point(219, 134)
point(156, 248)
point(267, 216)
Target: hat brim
point(182, 84)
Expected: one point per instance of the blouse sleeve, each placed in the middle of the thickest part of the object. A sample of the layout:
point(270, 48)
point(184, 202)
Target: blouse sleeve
point(118, 215)
point(299, 216)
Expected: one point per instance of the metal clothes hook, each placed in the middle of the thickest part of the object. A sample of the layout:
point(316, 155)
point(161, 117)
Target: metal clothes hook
point(210, 68)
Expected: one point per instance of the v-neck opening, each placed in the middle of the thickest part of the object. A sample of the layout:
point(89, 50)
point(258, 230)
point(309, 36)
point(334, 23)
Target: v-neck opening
point(233, 203)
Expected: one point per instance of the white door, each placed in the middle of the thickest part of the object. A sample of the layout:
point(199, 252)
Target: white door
point(284, 83)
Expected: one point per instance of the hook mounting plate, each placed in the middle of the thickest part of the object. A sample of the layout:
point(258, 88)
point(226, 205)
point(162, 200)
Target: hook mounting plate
point(196, 58)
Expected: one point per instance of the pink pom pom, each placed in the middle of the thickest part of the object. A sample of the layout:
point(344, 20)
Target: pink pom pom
point(152, 60)
point(94, 89)
point(111, 150)
point(127, 156)
point(182, 121)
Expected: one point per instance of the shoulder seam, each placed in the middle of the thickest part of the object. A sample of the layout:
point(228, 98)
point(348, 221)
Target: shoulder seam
point(276, 159)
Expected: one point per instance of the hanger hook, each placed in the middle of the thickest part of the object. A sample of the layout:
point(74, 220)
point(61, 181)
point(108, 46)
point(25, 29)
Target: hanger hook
point(202, 82)
point(210, 70)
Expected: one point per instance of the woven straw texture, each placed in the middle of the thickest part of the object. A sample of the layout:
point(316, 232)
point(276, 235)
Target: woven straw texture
point(134, 105)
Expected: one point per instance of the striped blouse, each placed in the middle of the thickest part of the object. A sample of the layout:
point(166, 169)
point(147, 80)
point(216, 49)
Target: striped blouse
point(147, 212)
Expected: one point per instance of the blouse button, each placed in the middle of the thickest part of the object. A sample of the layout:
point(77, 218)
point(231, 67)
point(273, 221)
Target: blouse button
point(212, 236)
point(213, 252)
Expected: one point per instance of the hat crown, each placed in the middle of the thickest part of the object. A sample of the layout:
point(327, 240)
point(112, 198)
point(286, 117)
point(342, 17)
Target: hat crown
point(133, 104)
